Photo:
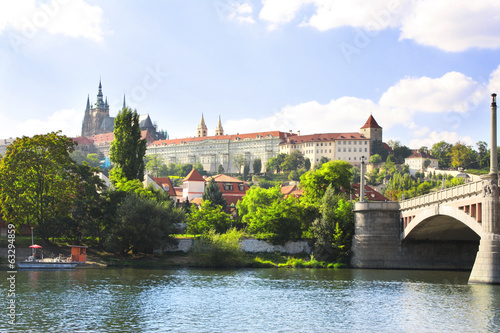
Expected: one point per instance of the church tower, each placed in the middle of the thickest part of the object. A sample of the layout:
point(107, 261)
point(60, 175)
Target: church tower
point(372, 130)
point(202, 128)
point(95, 115)
point(219, 130)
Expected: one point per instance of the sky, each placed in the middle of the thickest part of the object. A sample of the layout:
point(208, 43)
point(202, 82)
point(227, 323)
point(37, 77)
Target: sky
point(425, 69)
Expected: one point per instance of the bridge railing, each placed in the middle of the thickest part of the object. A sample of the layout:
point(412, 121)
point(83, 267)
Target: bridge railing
point(443, 195)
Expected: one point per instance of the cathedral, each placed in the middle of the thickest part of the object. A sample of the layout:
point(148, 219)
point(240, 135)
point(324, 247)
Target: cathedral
point(97, 120)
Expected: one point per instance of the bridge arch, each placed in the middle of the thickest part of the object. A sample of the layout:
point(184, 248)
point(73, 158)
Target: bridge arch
point(442, 223)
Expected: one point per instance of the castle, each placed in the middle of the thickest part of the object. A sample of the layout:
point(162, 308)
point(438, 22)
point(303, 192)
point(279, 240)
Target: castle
point(97, 120)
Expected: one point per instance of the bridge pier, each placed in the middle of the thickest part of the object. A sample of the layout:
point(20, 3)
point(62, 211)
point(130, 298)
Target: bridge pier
point(487, 265)
point(376, 242)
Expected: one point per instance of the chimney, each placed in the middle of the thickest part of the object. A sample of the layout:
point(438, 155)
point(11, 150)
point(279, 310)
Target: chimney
point(298, 132)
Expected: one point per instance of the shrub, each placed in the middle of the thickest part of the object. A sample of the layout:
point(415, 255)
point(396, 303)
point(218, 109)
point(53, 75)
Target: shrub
point(219, 250)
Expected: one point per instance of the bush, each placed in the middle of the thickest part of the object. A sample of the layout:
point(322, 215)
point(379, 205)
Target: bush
point(219, 250)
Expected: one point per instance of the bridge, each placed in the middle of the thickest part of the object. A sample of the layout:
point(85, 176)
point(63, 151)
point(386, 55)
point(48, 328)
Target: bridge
point(455, 228)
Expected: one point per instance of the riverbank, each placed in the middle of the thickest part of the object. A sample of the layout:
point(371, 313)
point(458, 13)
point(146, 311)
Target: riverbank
point(179, 259)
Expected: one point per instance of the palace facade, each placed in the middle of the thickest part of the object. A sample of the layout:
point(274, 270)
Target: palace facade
point(229, 150)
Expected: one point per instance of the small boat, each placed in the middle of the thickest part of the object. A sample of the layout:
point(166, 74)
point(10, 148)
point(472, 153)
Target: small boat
point(38, 262)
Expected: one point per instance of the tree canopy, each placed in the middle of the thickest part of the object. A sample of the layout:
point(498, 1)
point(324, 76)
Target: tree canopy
point(36, 180)
point(338, 174)
point(213, 194)
point(127, 149)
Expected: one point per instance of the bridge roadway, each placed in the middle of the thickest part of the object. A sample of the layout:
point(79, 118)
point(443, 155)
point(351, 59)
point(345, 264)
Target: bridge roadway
point(454, 213)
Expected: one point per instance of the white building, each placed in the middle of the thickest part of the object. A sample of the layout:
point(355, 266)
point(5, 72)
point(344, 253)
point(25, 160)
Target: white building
point(417, 160)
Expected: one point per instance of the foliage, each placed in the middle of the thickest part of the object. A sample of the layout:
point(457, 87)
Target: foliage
point(36, 181)
point(220, 169)
point(335, 173)
point(213, 194)
point(378, 149)
point(239, 161)
point(257, 165)
point(322, 161)
point(462, 155)
point(293, 161)
point(441, 151)
point(246, 171)
point(375, 159)
point(307, 164)
point(271, 217)
point(274, 163)
point(333, 232)
point(294, 175)
point(141, 224)
point(207, 217)
point(155, 166)
point(127, 149)
point(219, 250)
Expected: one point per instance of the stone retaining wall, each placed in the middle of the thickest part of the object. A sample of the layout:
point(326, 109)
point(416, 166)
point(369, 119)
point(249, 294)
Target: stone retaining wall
point(247, 245)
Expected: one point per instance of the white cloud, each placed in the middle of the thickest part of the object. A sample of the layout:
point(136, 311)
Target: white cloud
point(75, 18)
point(494, 84)
point(69, 121)
point(430, 138)
point(346, 114)
point(452, 92)
point(449, 25)
point(239, 11)
point(452, 25)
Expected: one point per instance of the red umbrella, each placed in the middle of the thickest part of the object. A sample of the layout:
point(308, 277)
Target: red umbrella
point(35, 246)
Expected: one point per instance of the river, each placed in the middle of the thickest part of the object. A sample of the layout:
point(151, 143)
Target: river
point(250, 300)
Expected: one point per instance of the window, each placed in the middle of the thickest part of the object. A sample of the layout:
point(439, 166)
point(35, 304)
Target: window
point(366, 142)
point(330, 143)
point(355, 158)
point(349, 149)
point(228, 186)
point(344, 150)
point(354, 149)
point(330, 150)
point(349, 142)
point(340, 149)
point(366, 150)
point(355, 142)
point(241, 187)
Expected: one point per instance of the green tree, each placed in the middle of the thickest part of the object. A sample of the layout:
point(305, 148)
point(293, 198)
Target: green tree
point(239, 161)
point(255, 199)
point(142, 224)
point(293, 161)
point(274, 163)
point(93, 160)
point(36, 183)
point(127, 149)
point(334, 230)
point(257, 165)
point(220, 169)
point(155, 166)
point(207, 217)
point(199, 167)
point(246, 171)
point(307, 164)
point(378, 148)
point(335, 173)
point(78, 156)
point(375, 159)
point(482, 154)
point(213, 194)
point(461, 155)
point(427, 162)
point(322, 161)
point(441, 151)
point(294, 175)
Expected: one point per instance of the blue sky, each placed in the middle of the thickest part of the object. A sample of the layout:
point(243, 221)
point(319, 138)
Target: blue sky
point(424, 69)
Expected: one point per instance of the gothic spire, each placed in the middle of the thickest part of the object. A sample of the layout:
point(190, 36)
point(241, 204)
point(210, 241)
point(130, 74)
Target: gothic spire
point(88, 104)
point(99, 103)
point(219, 130)
point(202, 128)
point(124, 104)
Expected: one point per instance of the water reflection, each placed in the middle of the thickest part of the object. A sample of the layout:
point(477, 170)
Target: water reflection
point(290, 300)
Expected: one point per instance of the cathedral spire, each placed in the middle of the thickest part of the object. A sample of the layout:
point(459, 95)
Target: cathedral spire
point(219, 130)
point(202, 128)
point(87, 109)
point(99, 103)
point(124, 104)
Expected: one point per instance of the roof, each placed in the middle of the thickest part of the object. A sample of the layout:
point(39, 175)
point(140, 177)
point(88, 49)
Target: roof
point(108, 137)
point(81, 140)
point(371, 123)
point(194, 176)
point(145, 121)
point(232, 137)
point(165, 181)
point(221, 178)
point(422, 155)
point(291, 190)
point(370, 193)
point(325, 137)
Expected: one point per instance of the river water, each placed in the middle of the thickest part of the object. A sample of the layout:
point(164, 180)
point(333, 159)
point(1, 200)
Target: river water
point(250, 300)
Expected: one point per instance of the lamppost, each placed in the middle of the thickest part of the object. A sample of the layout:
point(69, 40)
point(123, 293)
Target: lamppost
point(362, 181)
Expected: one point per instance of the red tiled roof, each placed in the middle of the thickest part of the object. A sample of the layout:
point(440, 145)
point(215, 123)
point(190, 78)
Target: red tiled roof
point(231, 137)
point(325, 137)
point(162, 181)
point(108, 137)
point(194, 176)
point(370, 193)
point(288, 189)
point(371, 123)
point(81, 140)
point(422, 155)
point(221, 178)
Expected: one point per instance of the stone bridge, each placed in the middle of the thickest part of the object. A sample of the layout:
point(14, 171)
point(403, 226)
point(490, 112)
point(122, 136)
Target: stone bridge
point(456, 228)
point(451, 214)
